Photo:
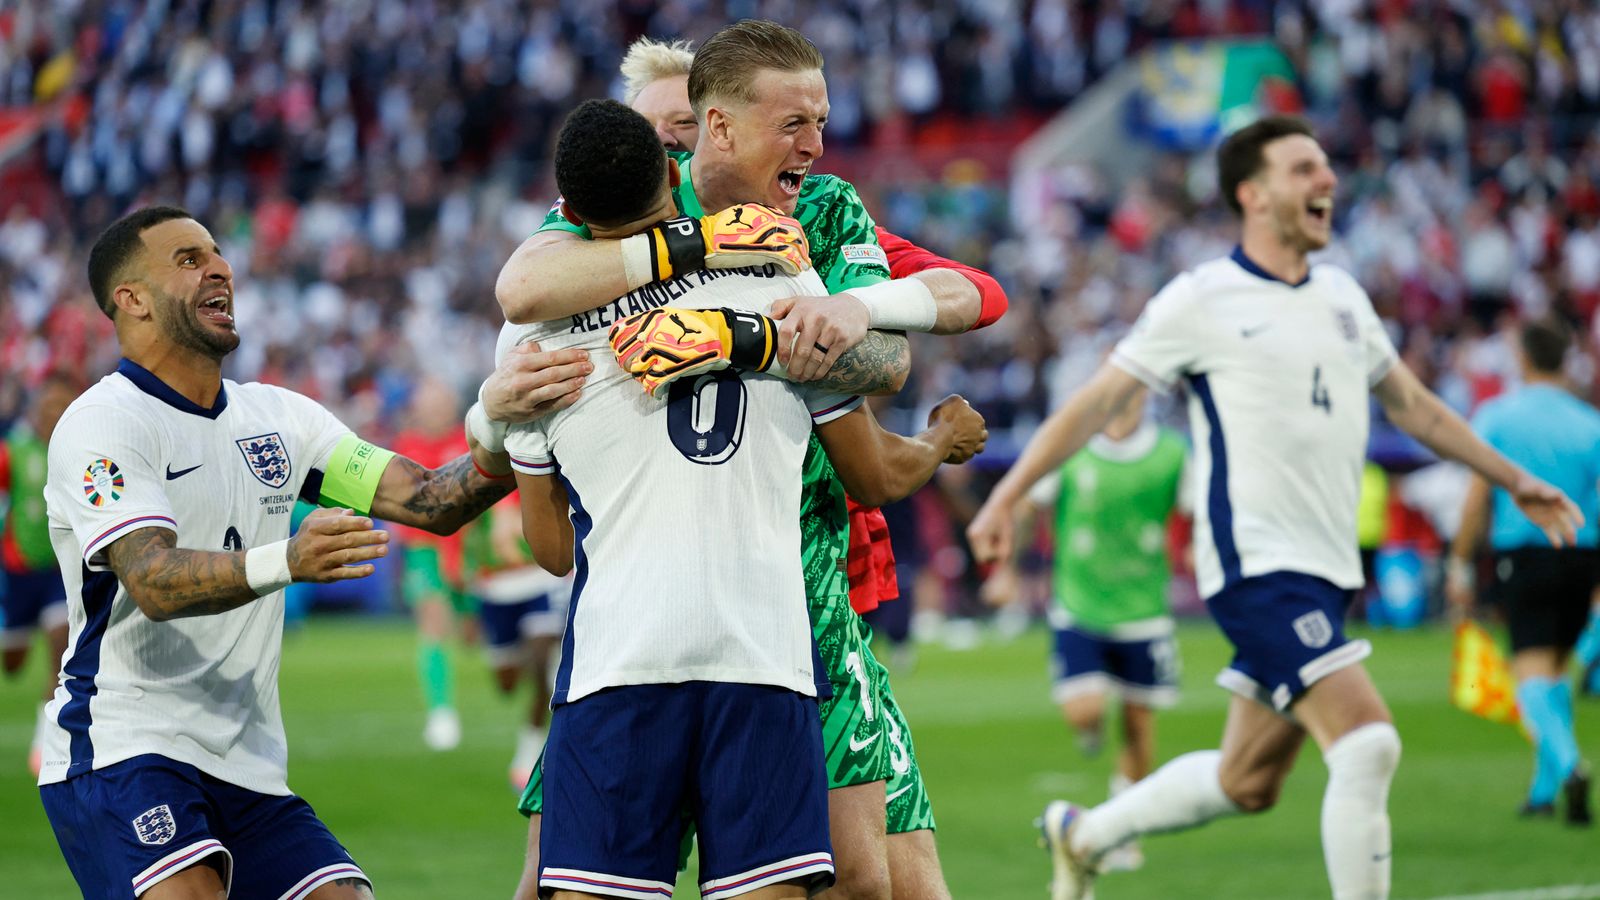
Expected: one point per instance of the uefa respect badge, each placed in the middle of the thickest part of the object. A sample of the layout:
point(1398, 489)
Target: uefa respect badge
point(102, 483)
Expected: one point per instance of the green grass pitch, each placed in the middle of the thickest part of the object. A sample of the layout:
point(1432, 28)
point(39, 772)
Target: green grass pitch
point(443, 825)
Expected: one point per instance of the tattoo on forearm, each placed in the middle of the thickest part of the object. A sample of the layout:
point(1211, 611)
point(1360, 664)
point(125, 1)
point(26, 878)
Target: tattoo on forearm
point(452, 495)
point(169, 583)
point(874, 366)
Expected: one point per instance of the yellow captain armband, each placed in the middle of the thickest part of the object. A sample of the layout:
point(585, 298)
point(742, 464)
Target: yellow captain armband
point(351, 477)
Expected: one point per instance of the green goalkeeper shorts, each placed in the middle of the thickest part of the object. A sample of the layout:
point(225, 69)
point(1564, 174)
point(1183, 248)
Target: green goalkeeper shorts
point(853, 735)
point(532, 802)
point(910, 807)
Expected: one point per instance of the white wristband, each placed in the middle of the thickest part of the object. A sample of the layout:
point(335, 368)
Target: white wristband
point(636, 263)
point(904, 304)
point(489, 434)
point(266, 568)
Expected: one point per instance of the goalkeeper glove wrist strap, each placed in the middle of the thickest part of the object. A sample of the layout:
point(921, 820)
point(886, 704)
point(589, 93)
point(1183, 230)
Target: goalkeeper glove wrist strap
point(675, 246)
point(904, 304)
point(753, 340)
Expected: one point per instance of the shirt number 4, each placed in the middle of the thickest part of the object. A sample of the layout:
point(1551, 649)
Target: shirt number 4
point(1319, 392)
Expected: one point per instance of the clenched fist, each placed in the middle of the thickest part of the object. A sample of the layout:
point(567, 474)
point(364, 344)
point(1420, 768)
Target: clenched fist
point(966, 424)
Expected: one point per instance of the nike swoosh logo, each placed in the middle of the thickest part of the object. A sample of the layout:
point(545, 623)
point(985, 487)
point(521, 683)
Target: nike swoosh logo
point(890, 799)
point(1252, 332)
point(857, 747)
point(181, 472)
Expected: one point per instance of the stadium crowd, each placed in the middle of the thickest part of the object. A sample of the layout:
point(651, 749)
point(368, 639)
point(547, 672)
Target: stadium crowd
point(369, 166)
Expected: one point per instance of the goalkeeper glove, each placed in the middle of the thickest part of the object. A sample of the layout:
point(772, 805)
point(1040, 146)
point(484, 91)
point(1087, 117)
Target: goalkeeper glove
point(743, 235)
point(662, 345)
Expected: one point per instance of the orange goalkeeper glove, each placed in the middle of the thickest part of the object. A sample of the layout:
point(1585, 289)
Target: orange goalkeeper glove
point(662, 345)
point(742, 235)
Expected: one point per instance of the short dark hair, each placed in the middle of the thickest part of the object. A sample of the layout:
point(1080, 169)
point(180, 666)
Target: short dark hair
point(1242, 154)
point(1545, 343)
point(118, 245)
point(609, 163)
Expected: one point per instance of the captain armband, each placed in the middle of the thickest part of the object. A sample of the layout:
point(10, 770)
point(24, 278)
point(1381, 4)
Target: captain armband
point(352, 475)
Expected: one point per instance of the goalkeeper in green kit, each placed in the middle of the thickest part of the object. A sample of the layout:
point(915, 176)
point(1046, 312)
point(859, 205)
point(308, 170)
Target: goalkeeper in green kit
point(759, 94)
point(1112, 629)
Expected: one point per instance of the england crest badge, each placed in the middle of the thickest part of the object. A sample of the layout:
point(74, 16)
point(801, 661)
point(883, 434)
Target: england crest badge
point(1314, 629)
point(267, 457)
point(1347, 325)
point(155, 826)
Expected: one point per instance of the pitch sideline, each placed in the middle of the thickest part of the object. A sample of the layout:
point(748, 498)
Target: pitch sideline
point(1554, 892)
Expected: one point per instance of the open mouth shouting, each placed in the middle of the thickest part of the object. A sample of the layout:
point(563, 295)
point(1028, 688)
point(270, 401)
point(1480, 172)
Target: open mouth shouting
point(790, 179)
point(1320, 209)
point(217, 309)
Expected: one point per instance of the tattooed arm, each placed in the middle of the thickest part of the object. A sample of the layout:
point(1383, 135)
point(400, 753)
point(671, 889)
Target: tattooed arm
point(438, 500)
point(877, 365)
point(169, 582)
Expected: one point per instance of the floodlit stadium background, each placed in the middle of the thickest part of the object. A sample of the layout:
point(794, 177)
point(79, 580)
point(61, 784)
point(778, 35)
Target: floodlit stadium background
point(368, 166)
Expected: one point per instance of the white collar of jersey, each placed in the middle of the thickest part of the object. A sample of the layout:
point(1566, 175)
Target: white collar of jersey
point(146, 381)
point(1249, 265)
point(1132, 448)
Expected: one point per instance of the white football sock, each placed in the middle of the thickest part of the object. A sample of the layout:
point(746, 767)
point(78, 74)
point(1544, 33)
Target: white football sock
point(1181, 794)
point(1355, 811)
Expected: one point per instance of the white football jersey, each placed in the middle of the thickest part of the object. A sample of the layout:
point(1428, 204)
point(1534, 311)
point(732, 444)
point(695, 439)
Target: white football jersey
point(686, 508)
point(1278, 378)
point(133, 453)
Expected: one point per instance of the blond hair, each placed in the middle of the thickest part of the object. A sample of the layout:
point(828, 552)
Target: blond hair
point(648, 61)
point(725, 67)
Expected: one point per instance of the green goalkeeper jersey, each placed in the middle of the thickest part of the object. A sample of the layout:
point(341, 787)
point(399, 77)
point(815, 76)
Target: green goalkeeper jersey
point(845, 253)
point(1112, 503)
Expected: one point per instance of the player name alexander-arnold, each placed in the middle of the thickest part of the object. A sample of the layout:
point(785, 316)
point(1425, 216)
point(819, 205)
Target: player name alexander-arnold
point(657, 294)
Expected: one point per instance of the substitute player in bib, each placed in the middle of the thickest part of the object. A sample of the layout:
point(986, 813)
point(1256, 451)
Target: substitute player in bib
point(656, 80)
point(1111, 506)
point(1279, 357)
point(32, 596)
point(723, 632)
point(431, 580)
point(169, 494)
point(1546, 591)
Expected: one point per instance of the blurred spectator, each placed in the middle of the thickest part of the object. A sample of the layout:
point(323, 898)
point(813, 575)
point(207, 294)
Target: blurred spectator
point(368, 167)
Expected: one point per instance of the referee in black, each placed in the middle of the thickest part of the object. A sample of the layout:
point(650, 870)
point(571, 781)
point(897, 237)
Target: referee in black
point(1546, 592)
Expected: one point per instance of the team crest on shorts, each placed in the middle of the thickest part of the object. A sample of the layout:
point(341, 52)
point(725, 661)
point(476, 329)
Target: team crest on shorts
point(102, 483)
point(155, 826)
point(268, 459)
point(1314, 629)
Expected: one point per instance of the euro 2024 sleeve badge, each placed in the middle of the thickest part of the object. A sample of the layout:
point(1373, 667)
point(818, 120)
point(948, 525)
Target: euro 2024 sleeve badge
point(102, 483)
